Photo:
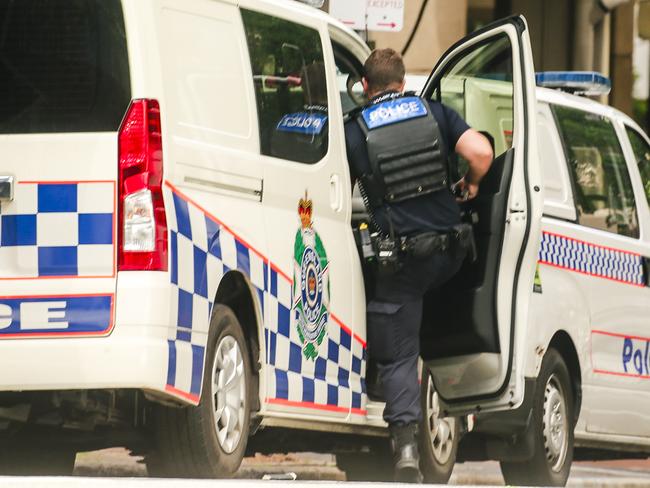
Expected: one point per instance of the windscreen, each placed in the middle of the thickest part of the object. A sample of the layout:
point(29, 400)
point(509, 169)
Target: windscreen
point(63, 66)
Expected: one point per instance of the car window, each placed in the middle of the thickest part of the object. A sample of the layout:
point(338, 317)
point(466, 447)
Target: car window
point(64, 66)
point(642, 155)
point(478, 85)
point(290, 87)
point(603, 188)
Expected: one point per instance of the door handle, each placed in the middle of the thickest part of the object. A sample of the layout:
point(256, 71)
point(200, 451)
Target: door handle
point(646, 270)
point(336, 196)
point(6, 188)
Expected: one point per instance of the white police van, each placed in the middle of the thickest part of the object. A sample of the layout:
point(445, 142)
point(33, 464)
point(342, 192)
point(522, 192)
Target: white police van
point(178, 268)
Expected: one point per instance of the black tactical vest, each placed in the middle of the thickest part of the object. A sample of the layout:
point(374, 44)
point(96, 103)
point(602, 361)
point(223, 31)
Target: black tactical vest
point(407, 159)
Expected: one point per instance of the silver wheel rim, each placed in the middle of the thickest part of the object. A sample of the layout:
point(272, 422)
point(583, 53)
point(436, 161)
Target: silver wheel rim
point(556, 425)
point(228, 393)
point(442, 430)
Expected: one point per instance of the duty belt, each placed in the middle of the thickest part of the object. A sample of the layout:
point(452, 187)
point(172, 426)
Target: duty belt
point(429, 243)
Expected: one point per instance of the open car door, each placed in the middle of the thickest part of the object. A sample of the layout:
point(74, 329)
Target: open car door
point(474, 329)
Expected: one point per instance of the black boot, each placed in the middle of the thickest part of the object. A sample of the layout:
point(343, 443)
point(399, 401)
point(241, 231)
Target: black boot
point(403, 440)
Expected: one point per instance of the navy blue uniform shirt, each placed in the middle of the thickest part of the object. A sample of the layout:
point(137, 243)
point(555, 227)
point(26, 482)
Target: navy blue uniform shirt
point(434, 212)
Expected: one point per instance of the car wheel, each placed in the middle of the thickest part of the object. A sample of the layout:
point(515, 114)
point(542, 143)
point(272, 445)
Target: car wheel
point(209, 440)
point(438, 436)
point(552, 429)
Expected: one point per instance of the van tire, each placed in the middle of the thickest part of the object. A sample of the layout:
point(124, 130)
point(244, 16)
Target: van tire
point(186, 441)
point(552, 458)
point(438, 437)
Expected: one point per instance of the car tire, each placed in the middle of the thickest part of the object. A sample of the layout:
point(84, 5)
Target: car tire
point(438, 437)
point(209, 440)
point(49, 460)
point(552, 429)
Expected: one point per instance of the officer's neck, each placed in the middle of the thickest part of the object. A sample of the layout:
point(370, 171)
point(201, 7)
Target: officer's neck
point(380, 96)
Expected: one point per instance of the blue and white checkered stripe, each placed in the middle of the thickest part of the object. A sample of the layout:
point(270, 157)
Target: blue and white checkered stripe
point(327, 381)
point(58, 229)
point(583, 257)
point(202, 251)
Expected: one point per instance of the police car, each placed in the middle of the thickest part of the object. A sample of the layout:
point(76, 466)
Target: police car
point(178, 267)
point(585, 348)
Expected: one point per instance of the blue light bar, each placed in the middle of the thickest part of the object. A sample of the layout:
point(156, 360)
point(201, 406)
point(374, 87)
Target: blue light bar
point(588, 83)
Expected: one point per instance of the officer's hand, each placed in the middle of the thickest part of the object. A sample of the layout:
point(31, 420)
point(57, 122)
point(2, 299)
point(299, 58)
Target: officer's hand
point(465, 191)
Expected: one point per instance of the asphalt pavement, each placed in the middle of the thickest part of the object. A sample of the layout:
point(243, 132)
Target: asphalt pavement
point(322, 467)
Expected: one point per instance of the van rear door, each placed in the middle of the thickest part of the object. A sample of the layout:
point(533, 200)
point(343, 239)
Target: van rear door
point(65, 86)
point(474, 329)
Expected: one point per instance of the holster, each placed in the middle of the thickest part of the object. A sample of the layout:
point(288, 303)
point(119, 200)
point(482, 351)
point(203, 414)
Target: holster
point(390, 257)
point(464, 242)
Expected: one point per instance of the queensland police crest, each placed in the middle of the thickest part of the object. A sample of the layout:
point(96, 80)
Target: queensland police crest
point(311, 292)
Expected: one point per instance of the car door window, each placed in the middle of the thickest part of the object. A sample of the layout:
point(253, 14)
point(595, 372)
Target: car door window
point(479, 87)
point(642, 156)
point(290, 87)
point(603, 189)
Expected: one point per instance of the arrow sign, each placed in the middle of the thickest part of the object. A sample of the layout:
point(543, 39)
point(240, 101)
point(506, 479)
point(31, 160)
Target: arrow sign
point(350, 12)
point(385, 15)
point(375, 15)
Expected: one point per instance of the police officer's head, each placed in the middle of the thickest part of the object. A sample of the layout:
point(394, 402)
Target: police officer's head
point(383, 70)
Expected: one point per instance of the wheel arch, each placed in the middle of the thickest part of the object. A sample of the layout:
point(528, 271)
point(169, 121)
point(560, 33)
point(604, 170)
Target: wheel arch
point(562, 343)
point(236, 292)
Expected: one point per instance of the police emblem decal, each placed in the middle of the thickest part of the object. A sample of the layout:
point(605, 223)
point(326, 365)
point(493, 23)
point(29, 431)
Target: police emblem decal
point(311, 290)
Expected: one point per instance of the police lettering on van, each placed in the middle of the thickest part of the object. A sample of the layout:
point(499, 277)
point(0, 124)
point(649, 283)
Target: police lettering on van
point(55, 316)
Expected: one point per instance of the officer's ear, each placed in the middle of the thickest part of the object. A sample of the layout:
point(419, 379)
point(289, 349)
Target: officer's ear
point(365, 85)
point(401, 87)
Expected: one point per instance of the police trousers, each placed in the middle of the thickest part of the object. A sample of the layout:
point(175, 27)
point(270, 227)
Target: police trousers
point(394, 319)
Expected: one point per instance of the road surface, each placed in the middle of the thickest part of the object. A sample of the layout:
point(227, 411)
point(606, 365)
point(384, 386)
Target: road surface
point(309, 466)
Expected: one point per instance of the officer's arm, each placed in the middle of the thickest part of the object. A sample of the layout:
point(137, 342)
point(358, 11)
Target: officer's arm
point(476, 149)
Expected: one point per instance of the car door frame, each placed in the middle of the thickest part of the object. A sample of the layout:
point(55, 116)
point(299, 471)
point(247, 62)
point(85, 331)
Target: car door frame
point(509, 393)
point(274, 405)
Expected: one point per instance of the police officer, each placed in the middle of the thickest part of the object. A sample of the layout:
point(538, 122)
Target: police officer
point(398, 148)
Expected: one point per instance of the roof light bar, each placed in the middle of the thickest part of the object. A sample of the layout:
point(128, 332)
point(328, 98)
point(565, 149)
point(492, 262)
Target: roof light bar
point(589, 83)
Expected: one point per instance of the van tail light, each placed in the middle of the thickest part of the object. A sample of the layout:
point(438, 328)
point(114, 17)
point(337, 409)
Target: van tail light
point(142, 224)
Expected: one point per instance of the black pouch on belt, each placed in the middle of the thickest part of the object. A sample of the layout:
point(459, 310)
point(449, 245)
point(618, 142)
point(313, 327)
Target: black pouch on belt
point(424, 245)
point(464, 241)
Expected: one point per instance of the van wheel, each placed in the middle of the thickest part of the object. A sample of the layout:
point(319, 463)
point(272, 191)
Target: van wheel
point(552, 429)
point(209, 440)
point(438, 436)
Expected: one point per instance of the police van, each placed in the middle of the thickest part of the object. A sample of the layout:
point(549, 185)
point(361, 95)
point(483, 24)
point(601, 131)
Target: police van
point(178, 266)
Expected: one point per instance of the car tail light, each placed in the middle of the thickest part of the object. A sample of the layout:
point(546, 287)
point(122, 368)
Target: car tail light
point(142, 231)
